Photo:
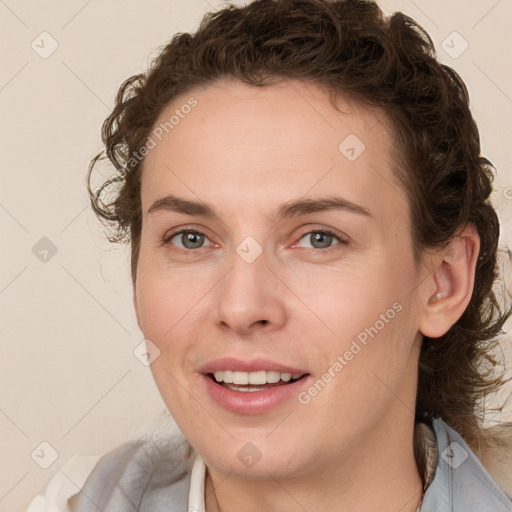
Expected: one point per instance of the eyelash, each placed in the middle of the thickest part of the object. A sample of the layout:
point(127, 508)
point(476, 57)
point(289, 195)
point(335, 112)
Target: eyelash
point(324, 231)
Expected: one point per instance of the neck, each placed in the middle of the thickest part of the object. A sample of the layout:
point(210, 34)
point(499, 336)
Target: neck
point(377, 472)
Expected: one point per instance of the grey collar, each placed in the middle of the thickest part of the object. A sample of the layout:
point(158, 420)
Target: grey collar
point(461, 483)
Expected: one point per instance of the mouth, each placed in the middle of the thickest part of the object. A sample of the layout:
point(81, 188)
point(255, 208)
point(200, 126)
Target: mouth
point(250, 382)
point(252, 386)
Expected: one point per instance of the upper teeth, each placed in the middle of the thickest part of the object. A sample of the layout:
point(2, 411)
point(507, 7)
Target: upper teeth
point(257, 378)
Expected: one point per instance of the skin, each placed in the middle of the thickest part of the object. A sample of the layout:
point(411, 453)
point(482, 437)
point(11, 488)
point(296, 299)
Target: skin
point(247, 150)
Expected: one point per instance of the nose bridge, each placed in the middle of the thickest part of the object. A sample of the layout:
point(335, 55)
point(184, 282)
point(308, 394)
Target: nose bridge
point(248, 294)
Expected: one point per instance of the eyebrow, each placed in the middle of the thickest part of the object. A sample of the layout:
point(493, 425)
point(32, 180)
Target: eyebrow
point(292, 208)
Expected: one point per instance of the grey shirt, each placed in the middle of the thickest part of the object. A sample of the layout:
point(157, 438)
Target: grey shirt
point(140, 476)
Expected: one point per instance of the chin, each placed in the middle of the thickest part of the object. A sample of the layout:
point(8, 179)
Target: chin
point(256, 457)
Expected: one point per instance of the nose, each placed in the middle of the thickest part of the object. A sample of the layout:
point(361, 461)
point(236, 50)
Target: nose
point(250, 298)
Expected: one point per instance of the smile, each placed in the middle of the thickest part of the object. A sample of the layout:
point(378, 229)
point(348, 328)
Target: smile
point(252, 399)
point(253, 381)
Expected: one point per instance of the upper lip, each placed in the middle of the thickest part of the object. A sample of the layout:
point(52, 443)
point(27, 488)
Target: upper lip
point(254, 365)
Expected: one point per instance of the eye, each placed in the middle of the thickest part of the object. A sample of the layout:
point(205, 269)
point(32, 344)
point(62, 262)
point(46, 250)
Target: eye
point(189, 239)
point(323, 238)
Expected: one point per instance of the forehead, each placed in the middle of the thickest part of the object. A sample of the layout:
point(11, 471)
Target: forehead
point(242, 146)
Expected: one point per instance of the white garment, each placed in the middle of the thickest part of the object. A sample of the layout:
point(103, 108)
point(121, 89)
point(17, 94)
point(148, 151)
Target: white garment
point(197, 483)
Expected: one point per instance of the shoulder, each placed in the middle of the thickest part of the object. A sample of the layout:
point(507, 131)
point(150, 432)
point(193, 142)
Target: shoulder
point(146, 472)
point(461, 480)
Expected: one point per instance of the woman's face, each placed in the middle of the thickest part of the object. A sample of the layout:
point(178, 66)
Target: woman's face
point(255, 289)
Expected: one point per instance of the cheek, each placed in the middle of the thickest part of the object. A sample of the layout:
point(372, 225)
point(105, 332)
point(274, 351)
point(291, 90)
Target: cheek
point(165, 300)
point(367, 317)
point(351, 300)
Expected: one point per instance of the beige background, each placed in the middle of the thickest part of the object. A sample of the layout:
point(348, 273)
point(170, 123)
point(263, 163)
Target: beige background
point(68, 375)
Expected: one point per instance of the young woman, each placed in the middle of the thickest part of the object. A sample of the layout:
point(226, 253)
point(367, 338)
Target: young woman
point(313, 260)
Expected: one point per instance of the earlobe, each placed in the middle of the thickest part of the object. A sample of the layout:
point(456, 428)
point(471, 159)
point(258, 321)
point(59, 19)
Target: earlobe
point(452, 282)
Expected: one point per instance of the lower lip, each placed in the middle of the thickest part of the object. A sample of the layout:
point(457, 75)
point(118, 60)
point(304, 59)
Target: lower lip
point(255, 402)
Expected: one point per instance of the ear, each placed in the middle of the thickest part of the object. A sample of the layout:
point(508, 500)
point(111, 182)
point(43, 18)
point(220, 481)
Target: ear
point(451, 283)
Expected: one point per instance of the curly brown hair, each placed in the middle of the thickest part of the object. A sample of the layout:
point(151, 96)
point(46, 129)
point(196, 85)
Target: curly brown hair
point(349, 47)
